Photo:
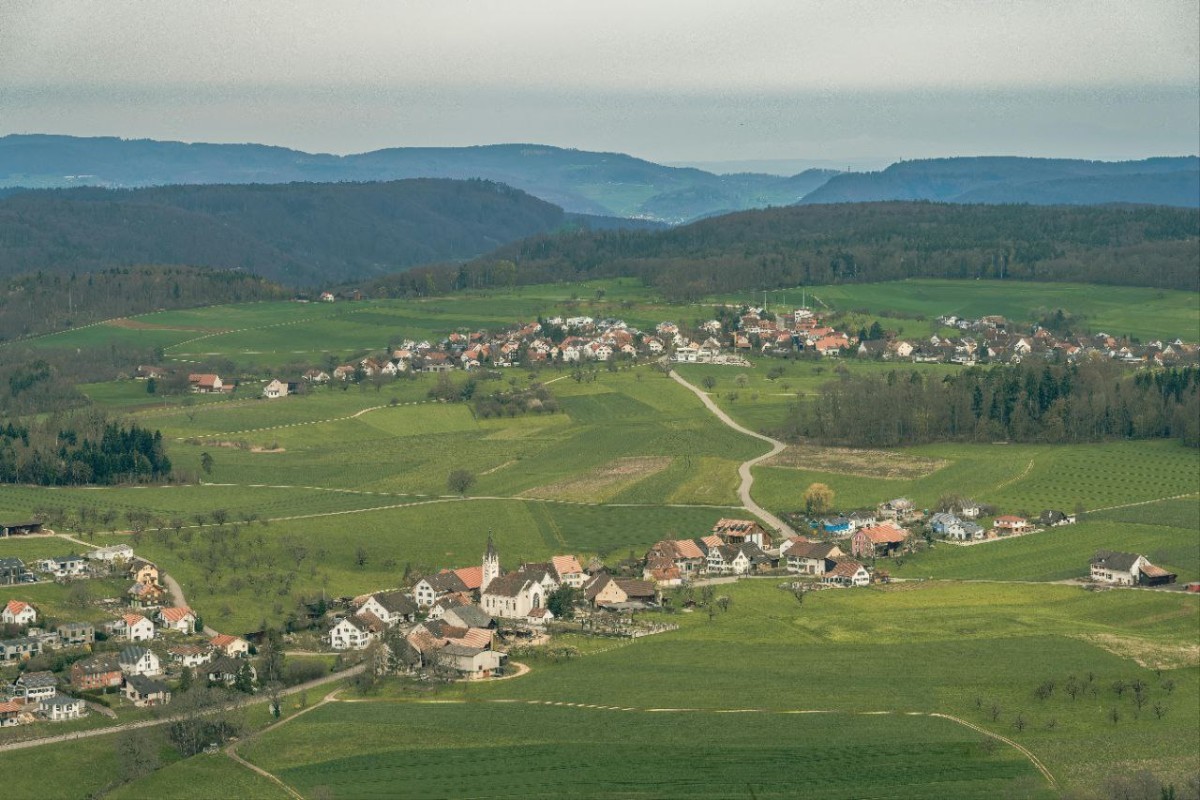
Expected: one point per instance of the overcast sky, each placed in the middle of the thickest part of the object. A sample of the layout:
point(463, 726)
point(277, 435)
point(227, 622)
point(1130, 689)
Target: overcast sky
point(845, 81)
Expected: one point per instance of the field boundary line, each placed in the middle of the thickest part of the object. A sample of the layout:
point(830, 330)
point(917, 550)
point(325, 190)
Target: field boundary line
point(744, 469)
point(1020, 748)
point(1024, 474)
point(306, 422)
point(1187, 496)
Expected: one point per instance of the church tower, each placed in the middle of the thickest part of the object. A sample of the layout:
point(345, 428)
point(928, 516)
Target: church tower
point(491, 565)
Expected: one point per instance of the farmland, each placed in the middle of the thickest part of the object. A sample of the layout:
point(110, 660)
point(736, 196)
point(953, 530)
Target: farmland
point(948, 648)
point(343, 490)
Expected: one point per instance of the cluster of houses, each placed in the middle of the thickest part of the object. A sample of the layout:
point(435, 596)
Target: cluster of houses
point(449, 620)
point(130, 654)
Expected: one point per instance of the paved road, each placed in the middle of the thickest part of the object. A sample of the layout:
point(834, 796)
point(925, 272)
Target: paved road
point(150, 723)
point(745, 469)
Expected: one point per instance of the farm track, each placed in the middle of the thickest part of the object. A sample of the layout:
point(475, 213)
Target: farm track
point(744, 470)
point(232, 752)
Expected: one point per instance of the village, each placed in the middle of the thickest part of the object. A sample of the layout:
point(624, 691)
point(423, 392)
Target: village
point(461, 623)
point(730, 339)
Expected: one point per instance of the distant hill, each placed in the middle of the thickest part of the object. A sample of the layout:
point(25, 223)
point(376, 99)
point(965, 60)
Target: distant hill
point(296, 234)
point(1043, 181)
point(607, 184)
point(858, 242)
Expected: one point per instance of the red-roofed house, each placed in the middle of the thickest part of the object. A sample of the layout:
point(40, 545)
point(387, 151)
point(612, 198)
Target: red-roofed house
point(132, 628)
point(231, 646)
point(181, 619)
point(847, 573)
point(17, 612)
point(1011, 524)
point(878, 540)
point(569, 570)
point(204, 383)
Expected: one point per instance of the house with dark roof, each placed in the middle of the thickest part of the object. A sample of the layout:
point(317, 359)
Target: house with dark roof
point(1127, 569)
point(136, 660)
point(60, 707)
point(514, 595)
point(811, 558)
point(98, 672)
point(35, 685)
point(428, 590)
point(391, 607)
point(605, 591)
point(468, 616)
point(144, 692)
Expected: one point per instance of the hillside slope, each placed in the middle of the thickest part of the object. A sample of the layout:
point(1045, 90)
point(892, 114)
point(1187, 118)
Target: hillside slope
point(299, 234)
point(1155, 181)
point(862, 242)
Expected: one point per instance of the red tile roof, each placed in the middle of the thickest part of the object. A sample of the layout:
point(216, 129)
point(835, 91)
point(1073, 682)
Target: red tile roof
point(178, 614)
point(15, 607)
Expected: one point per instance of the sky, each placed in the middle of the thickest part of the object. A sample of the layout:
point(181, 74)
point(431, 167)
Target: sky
point(832, 82)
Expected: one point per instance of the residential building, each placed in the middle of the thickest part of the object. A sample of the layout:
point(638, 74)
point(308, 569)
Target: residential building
point(144, 692)
point(231, 646)
point(22, 648)
point(73, 634)
point(96, 673)
point(131, 628)
point(116, 552)
point(190, 655)
point(61, 707)
point(847, 573)
point(1127, 569)
point(391, 607)
point(35, 685)
point(135, 660)
point(17, 612)
point(180, 619)
point(350, 633)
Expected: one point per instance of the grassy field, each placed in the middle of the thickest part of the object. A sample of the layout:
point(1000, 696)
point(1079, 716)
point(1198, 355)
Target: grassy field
point(410, 750)
point(1014, 477)
point(201, 777)
point(1145, 313)
point(947, 648)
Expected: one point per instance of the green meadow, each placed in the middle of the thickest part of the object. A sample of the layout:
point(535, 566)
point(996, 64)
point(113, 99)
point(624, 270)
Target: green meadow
point(874, 661)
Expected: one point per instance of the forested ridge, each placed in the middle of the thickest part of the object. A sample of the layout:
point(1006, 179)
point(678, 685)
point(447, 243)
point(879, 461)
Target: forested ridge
point(1027, 402)
point(297, 234)
point(854, 242)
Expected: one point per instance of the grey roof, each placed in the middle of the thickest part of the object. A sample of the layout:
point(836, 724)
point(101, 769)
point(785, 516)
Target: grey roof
point(456, 649)
point(510, 585)
point(35, 680)
point(104, 662)
point(396, 602)
point(131, 654)
point(144, 686)
point(58, 699)
point(1122, 562)
point(446, 583)
point(472, 616)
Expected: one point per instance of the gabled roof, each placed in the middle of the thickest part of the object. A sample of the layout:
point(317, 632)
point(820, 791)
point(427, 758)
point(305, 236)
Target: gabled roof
point(883, 534)
point(813, 550)
point(133, 619)
point(177, 614)
point(845, 569)
point(472, 615)
point(472, 577)
point(635, 588)
point(34, 680)
point(1109, 559)
point(146, 686)
point(566, 565)
point(223, 640)
point(132, 654)
point(105, 662)
point(446, 583)
point(15, 607)
point(396, 602)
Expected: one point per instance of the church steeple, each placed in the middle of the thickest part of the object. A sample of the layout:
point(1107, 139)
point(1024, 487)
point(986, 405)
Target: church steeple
point(491, 564)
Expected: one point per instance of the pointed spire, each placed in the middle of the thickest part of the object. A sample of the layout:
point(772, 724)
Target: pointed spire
point(490, 553)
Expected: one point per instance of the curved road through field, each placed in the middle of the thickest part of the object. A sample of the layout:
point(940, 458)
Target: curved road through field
point(747, 476)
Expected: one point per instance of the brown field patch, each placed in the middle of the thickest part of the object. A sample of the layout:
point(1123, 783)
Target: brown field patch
point(601, 482)
point(1151, 655)
point(138, 325)
point(856, 461)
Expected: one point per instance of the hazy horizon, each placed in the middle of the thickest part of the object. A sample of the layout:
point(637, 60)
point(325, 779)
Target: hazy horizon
point(851, 83)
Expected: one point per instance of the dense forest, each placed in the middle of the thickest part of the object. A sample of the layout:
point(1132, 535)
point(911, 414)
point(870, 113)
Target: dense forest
point(1028, 402)
point(811, 245)
point(45, 302)
point(79, 449)
point(297, 234)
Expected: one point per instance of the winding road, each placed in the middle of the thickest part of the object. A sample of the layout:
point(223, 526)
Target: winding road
point(744, 470)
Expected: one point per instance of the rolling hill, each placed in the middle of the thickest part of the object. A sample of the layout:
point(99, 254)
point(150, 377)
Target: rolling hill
point(606, 184)
point(1042, 181)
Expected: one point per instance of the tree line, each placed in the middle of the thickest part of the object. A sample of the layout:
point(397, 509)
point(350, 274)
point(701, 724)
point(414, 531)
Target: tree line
point(84, 448)
point(849, 243)
point(1028, 402)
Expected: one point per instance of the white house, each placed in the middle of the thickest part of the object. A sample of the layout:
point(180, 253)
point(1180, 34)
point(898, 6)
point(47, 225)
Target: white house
point(35, 685)
point(568, 570)
point(1123, 569)
point(17, 612)
point(846, 574)
point(190, 655)
point(231, 646)
point(349, 633)
point(139, 661)
point(275, 389)
point(391, 607)
point(132, 628)
point(60, 707)
point(514, 595)
point(64, 566)
point(116, 552)
point(181, 619)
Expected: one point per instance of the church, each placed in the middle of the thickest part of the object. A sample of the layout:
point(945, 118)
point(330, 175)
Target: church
point(514, 595)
